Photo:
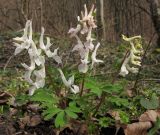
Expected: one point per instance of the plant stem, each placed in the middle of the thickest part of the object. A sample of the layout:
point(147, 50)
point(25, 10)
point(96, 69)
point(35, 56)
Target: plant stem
point(84, 75)
point(115, 77)
point(102, 99)
point(140, 69)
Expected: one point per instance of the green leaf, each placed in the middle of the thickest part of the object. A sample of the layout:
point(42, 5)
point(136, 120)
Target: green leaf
point(71, 114)
point(22, 99)
point(60, 119)
point(49, 113)
point(93, 86)
point(118, 101)
point(105, 121)
point(72, 107)
point(124, 117)
point(152, 103)
point(44, 96)
point(112, 88)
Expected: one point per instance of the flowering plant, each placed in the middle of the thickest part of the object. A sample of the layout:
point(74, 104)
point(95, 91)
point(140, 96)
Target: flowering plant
point(86, 98)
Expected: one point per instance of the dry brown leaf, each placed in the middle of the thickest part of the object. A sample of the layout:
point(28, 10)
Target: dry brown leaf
point(150, 115)
point(33, 107)
point(4, 97)
point(24, 121)
point(139, 128)
point(35, 120)
point(115, 115)
point(145, 122)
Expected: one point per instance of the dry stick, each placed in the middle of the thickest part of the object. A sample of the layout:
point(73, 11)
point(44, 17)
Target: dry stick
point(140, 69)
point(158, 80)
point(113, 81)
point(8, 62)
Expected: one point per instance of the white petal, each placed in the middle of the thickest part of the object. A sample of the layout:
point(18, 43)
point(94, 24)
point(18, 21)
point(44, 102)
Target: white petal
point(42, 46)
point(74, 31)
point(132, 69)
point(85, 28)
point(89, 45)
point(74, 89)
point(71, 80)
point(83, 68)
point(32, 90)
point(57, 59)
point(123, 71)
point(27, 76)
point(18, 50)
point(48, 43)
point(63, 78)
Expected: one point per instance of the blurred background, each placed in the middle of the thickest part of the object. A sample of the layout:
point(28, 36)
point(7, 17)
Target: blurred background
point(114, 18)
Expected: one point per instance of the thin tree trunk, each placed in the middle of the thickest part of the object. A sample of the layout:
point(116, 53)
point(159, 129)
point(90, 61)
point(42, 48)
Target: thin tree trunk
point(155, 15)
point(102, 18)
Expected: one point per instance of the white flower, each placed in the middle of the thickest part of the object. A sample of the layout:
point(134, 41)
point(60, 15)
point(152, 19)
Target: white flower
point(20, 47)
point(79, 46)
point(89, 45)
point(87, 19)
point(47, 50)
point(83, 67)
point(124, 71)
point(39, 81)
point(73, 31)
point(93, 57)
point(42, 46)
point(74, 89)
point(69, 83)
point(30, 68)
point(25, 35)
point(25, 40)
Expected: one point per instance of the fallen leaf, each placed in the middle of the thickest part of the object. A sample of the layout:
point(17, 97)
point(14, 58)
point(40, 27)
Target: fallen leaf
point(35, 120)
point(139, 128)
point(4, 97)
point(150, 116)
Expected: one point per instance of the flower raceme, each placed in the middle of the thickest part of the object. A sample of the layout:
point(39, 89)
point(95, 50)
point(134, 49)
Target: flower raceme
point(37, 58)
point(134, 57)
point(85, 26)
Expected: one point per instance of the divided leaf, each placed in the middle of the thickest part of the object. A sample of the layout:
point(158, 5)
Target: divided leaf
point(112, 88)
point(60, 119)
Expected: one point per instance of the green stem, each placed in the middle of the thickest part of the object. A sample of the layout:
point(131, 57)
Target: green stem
point(82, 89)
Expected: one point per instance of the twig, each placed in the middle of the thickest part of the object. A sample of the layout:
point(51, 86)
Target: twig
point(5, 66)
point(150, 80)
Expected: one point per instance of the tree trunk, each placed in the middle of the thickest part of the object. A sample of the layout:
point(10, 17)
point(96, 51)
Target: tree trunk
point(155, 15)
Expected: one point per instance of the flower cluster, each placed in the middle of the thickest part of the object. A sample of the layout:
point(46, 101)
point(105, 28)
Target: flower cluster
point(133, 60)
point(35, 73)
point(85, 26)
